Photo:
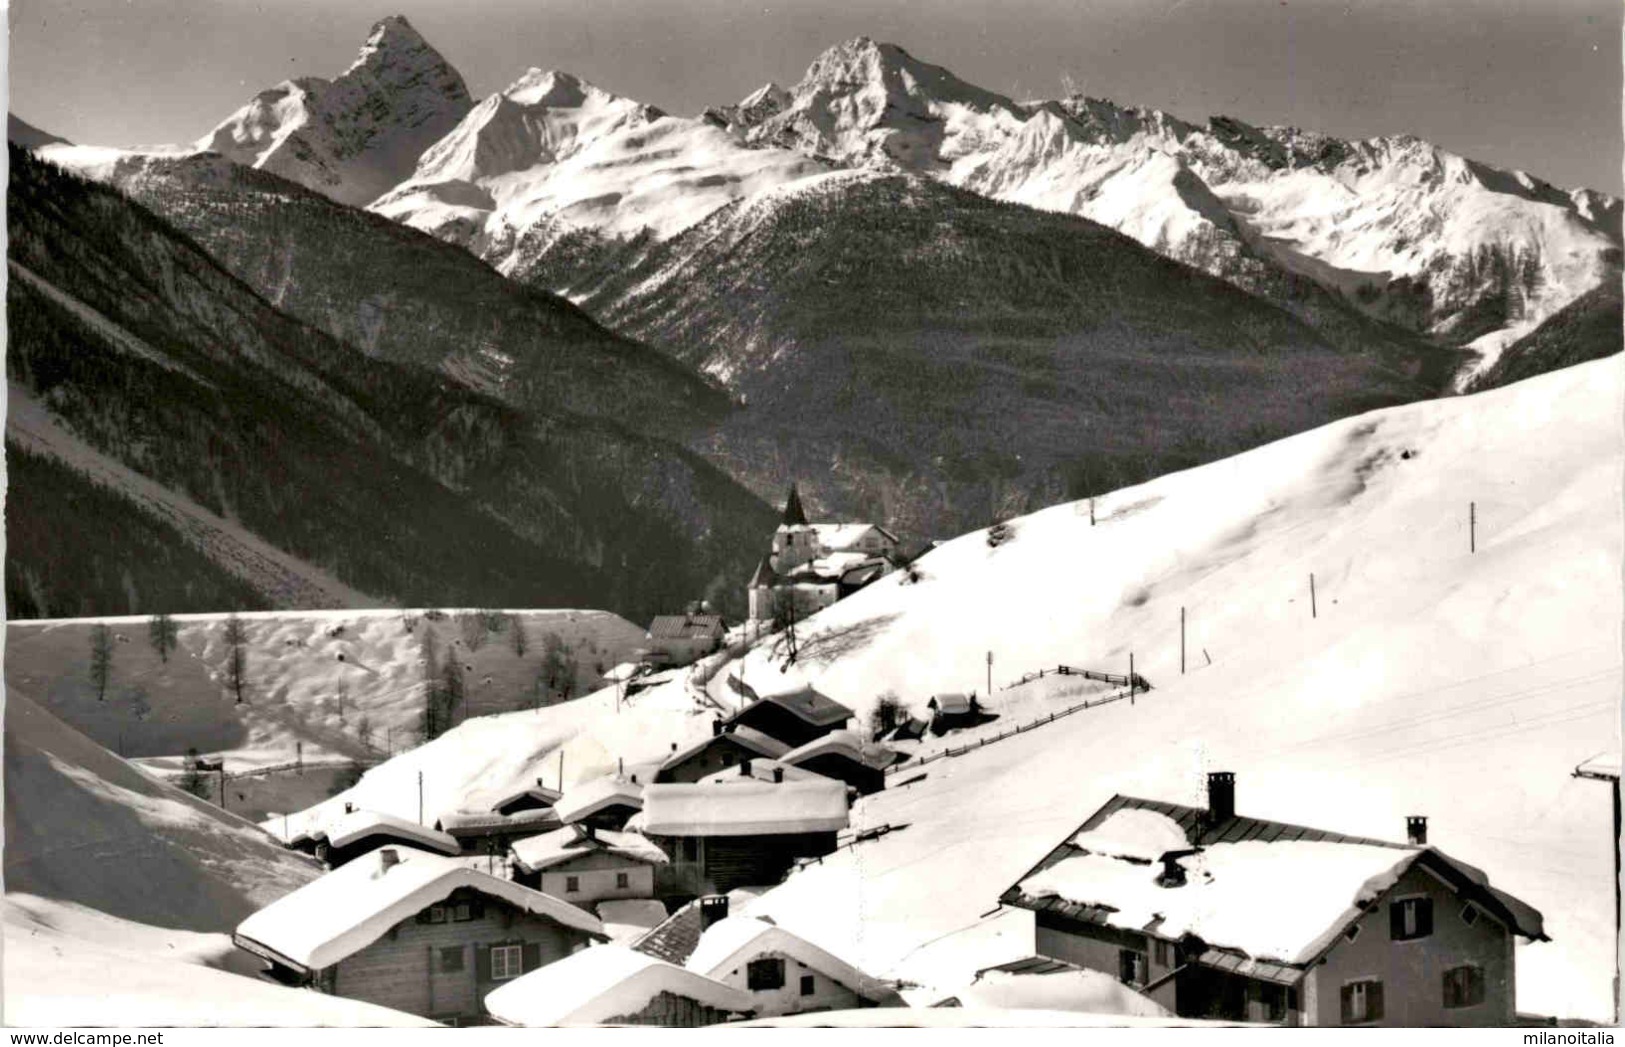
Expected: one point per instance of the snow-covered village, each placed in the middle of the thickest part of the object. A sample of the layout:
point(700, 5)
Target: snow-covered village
point(487, 549)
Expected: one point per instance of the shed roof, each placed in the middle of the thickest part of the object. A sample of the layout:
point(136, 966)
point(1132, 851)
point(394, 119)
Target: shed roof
point(539, 792)
point(760, 771)
point(732, 942)
point(353, 906)
point(745, 809)
point(358, 825)
point(603, 983)
point(686, 627)
point(1257, 890)
point(585, 800)
point(951, 704)
point(847, 745)
point(572, 841)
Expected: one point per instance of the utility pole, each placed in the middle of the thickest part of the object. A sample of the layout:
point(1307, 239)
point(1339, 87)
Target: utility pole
point(990, 674)
point(1131, 677)
point(1472, 527)
point(1312, 612)
point(1091, 512)
point(420, 797)
point(561, 770)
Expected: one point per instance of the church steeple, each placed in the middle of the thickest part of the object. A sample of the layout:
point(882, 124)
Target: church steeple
point(794, 515)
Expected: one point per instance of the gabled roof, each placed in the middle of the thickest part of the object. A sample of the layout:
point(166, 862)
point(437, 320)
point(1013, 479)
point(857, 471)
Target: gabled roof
point(548, 797)
point(1266, 895)
point(951, 704)
point(603, 983)
point(806, 704)
point(745, 809)
point(731, 943)
point(358, 825)
point(572, 841)
point(763, 576)
point(356, 904)
point(844, 744)
point(674, 938)
point(748, 737)
point(839, 537)
point(583, 801)
point(686, 627)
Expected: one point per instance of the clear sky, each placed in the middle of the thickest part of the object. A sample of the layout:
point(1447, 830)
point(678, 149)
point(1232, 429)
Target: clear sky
point(1531, 84)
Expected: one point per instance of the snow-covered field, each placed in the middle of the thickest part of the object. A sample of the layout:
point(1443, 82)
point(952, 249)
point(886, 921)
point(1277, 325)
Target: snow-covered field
point(1426, 679)
point(340, 684)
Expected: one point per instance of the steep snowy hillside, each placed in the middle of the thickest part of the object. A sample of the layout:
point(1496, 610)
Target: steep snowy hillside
point(1424, 672)
point(1587, 328)
point(554, 170)
point(356, 136)
point(335, 686)
point(1460, 250)
point(85, 827)
point(927, 357)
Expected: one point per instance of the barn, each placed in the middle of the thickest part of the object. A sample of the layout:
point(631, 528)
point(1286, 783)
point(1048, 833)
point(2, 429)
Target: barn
point(603, 803)
point(728, 746)
point(358, 832)
point(842, 755)
point(584, 865)
point(795, 718)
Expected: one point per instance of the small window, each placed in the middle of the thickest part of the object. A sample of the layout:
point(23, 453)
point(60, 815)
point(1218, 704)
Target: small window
point(433, 914)
point(1464, 986)
point(462, 912)
point(1352, 933)
point(1160, 952)
point(808, 985)
point(1469, 914)
point(451, 959)
point(623, 881)
point(764, 974)
point(1410, 918)
point(507, 961)
point(1362, 1002)
point(1131, 967)
point(572, 884)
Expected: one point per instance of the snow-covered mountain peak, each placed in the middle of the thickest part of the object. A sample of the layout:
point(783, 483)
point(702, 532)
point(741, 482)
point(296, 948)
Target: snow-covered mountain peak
point(393, 41)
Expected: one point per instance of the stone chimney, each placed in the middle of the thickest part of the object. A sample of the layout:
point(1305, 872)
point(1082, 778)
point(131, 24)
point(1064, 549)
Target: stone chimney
point(713, 907)
point(1173, 874)
point(1416, 830)
point(349, 808)
point(716, 727)
point(1221, 797)
point(778, 774)
point(744, 768)
point(388, 858)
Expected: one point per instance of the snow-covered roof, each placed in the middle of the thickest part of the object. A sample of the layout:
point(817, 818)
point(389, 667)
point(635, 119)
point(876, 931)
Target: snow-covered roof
point(760, 771)
point(840, 537)
point(588, 799)
point(358, 825)
point(745, 809)
point(628, 919)
point(602, 983)
point(356, 904)
point(1604, 765)
point(730, 943)
point(1043, 984)
point(489, 823)
point(686, 627)
point(1268, 890)
point(749, 737)
point(846, 744)
point(807, 704)
point(572, 841)
point(951, 704)
point(538, 792)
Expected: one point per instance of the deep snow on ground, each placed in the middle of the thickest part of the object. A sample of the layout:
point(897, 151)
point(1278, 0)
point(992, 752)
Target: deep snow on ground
point(84, 826)
point(65, 964)
point(1428, 679)
point(315, 679)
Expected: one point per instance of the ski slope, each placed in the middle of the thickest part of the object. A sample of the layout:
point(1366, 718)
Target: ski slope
point(1428, 678)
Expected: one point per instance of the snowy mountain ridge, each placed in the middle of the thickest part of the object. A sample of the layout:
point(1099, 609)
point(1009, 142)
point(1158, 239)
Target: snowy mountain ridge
point(357, 135)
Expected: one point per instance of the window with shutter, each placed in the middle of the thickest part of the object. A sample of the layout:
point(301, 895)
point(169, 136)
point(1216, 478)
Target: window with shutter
point(622, 881)
point(1160, 951)
point(1410, 918)
point(451, 959)
point(1362, 1002)
point(572, 884)
point(1131, 966)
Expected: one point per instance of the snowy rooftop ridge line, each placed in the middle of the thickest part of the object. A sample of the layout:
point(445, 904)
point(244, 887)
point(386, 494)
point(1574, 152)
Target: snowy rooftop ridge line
point(604, 983)
point(561, 845)
point(357, 903)
point(729, 942)
point(745, 809)
point(1238, 872)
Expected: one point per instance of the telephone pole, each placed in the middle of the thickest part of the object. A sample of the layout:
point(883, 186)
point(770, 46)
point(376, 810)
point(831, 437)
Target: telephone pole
point(1312, 612)
point(1472, 527)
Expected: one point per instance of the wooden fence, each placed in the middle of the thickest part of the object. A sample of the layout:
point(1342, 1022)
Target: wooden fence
point(1120, 679)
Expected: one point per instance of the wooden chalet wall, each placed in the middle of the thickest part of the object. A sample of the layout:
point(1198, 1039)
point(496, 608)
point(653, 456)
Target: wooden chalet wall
point(827, 994)
point(408, 967)
point(595, 873)
point(775, 721)
point(720, 753)
point(717, 864)
point(860, 776)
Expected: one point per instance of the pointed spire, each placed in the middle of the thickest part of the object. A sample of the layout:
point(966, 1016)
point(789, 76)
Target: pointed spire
point(794, 515)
